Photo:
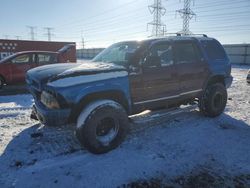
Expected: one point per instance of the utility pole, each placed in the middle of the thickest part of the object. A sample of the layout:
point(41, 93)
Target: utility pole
point(186, 14)
point(83, 45)
point(82, 40)
point(32, 32)
point(48, 32)
point(158, 11)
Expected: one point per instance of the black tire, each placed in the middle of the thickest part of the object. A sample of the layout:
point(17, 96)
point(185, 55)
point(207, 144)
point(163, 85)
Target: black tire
point(214, 100)
point(107, 118)
point(1, 82)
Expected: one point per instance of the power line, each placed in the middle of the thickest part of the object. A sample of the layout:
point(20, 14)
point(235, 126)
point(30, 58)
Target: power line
point(32, 32)
point(223, 15)
point(115, 20)
point(111, 10)
point(108, 24)
point(157, 10)
point(138, 26)
point(216, 4)
point(186, 14)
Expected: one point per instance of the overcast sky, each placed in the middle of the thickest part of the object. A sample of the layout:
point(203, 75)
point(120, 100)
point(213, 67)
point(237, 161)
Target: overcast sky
point(102, 22)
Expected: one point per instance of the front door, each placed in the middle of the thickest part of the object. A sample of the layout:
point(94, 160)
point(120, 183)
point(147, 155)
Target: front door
point(20, 65)
point(159, 77)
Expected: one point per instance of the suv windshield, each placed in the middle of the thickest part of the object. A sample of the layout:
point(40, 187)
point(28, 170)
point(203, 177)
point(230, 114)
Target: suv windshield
point(117, 53)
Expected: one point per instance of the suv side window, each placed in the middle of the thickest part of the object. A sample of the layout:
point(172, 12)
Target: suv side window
point(186, 52)
point(163, 53)
point(214, 50)
point(25, 58)
point(46, 58)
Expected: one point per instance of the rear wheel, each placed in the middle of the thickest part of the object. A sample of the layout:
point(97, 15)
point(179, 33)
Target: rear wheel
point(104, 128)
point(214, 100)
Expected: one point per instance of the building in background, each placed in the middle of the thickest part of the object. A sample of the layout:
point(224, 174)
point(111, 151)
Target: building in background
point(88, 53)
point(9, 47)
point(238, 53)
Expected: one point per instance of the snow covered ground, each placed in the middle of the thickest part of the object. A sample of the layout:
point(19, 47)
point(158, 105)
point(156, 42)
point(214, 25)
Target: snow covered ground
point(183, 149)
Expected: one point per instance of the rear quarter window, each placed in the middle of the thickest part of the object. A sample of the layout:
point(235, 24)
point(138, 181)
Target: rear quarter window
point(214, 50)
point(46, 58)
point(186, 52)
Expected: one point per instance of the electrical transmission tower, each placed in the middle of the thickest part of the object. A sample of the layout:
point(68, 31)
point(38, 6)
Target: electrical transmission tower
point(186, 14)
point(82, 40)
point(32, 32)
point(158, 11)
point(48, 32)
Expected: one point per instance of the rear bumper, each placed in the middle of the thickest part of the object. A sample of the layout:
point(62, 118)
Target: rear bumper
point(228, 81)
point(50, 117)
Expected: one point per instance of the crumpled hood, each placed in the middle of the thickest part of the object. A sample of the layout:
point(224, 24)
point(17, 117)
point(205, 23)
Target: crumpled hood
point(47, 71)
point(54, 72)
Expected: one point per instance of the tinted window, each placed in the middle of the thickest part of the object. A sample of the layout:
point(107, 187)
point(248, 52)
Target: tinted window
point(186, 53)
point(162, 52)
point(214, 50)
point(45, 58)
point(26, 58)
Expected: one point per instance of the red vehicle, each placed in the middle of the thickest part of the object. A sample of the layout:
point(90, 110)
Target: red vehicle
point(13, 68)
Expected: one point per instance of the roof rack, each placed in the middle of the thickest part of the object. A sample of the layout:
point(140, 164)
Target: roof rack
point(199, 34)
point(181, 34)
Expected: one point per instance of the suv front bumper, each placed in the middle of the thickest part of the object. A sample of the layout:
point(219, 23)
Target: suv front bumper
point(50, 117)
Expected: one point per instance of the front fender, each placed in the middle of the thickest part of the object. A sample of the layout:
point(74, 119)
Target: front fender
point(74, 94)
point(112, 85)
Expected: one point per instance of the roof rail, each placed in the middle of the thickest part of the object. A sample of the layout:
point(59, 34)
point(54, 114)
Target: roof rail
point(181, 34)
point(204, 35)
point(177, 34)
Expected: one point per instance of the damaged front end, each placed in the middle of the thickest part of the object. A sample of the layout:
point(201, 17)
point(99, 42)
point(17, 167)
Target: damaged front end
point(57, 93)
point(50, 108)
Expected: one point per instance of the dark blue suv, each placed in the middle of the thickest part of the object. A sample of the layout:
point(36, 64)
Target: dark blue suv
point(125, 79)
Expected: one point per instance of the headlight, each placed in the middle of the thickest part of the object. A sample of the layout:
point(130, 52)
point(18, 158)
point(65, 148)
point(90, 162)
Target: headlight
point(49, 100)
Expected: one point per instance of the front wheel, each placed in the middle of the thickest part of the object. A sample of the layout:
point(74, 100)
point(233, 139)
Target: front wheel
point(102, 126)
point(214, 100)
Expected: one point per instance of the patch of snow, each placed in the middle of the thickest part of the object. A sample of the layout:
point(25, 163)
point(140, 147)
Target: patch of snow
point(15, 101)
point(91, 66)
point(69, 81)
point(91, 107)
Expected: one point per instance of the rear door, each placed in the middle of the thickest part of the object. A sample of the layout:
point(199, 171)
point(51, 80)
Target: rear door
point(20, 65)
point(191, 67)
point(159, 76)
